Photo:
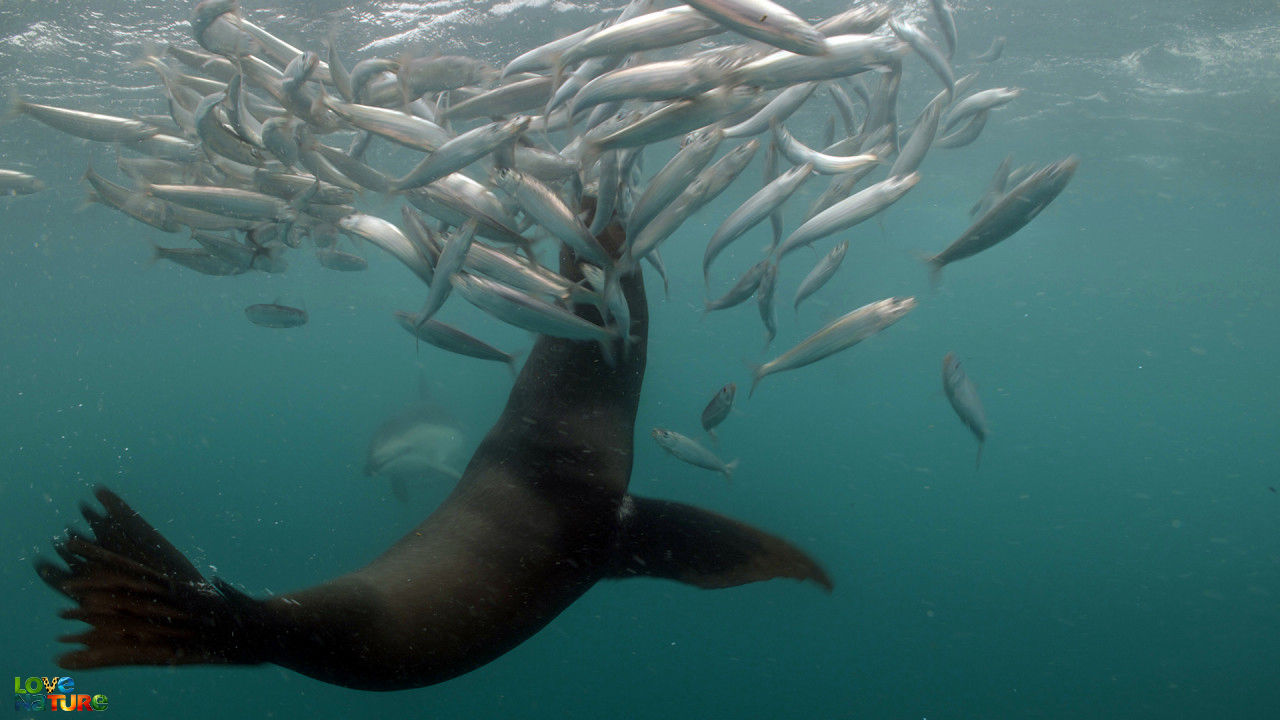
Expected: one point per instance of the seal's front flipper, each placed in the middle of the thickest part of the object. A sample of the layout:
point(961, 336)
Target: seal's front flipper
point(658, 538)
point(146, 604)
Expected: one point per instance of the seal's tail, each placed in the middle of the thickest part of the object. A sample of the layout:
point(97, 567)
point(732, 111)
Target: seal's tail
point(146, 604)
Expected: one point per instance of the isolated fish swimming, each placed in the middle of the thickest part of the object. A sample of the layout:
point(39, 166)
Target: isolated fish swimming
point(963, 396)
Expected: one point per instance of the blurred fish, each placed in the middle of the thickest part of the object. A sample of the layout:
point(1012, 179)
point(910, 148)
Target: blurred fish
point(447, 337)
point(13, 182)
point(274, 315)
point(947, 23)
point(963, 397)
point(335, 259)
point(821, 273)
point(994, 52)
point(87, 125)
point(978, 102)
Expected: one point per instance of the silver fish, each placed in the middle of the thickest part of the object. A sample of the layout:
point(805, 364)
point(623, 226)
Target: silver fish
point(765, 21)
point(846, 55)
point(450, 262)
point(850, 211)
point(447, 337)
point(966, 134)
point(674, 177)
point(764, 301)
point(524, 311)
point(198, 259)
point(551, 213)
point(389, 238)
point(231, 202)
point(335, 259)
point(515, 97)
point(544, 56)
point(87, 125)
point(840, 334)
point(777, 110)
point(273, 315)
point(922, 135)
point(461, 151)
point(13, 182)
point(718, 409)
point(858, 20)
point(978, 102)
point(963, 396)
point(679, 117)
point(947, 23)
point(407, 130)
point(798, 153)
point(1017, 208)
point(651, 31)
point(993, 52)
point(756, 208)
point(141, 207)
point(742, 290)
point(688, 450)
point(821, 273)
point(925, 48)
point(665, 80)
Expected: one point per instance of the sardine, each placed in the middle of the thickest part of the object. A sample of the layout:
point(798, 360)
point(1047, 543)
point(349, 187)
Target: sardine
point(756, 208)
point(688, 450)
point(765, 21)
point(963, 396)
point(1017, 208)
point(799, 153)
point(13, 182)
point(993, 52)
point(742, 290)
point(821, 273)
point(840, 334)
point(273, 315)
point(447, 337)
point(850, 211)
point(87, 125)
point(718, 409)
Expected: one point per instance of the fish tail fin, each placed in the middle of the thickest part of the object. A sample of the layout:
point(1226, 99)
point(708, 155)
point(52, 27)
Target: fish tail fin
point(935, 274)
point(13, 107)
point(606, 350)
point(935, 268)
point(715, 439)
point(757, 374)
point(728, 470)
point(157, 254)
point(145, 603)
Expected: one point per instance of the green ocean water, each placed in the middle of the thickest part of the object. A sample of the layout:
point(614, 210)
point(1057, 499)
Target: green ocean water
point(1117, 555)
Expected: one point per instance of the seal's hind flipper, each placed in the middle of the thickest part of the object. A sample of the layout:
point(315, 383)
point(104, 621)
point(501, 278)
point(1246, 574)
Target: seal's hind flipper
point(658, 538)
point(145, 602)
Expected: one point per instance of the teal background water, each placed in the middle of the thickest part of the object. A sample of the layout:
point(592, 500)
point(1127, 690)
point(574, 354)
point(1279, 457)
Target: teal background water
point(1117, 556)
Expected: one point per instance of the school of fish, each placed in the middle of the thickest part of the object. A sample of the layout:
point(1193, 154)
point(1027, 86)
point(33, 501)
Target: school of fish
point(263, 151)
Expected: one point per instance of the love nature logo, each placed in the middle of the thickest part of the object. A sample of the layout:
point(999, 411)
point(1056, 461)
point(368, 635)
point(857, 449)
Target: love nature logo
point(34, 694)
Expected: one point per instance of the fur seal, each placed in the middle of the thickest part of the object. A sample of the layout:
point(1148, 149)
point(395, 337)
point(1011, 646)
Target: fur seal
point(540, 515)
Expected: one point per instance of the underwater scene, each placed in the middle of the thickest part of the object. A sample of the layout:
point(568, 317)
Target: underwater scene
point(642, 358)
